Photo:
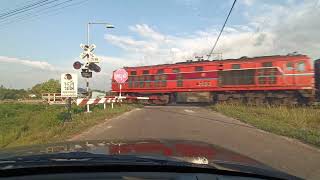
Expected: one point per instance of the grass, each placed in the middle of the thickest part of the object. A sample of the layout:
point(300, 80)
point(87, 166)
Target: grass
point(24, 124)
point(302, 123)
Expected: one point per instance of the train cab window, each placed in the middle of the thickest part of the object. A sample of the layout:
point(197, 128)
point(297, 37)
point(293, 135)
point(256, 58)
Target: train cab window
point(267, 64)
point(163, 80)
point(235, 66)
point(160, 71)
point(179, 80)
point(133, 73)
point(142, 79)
point(145, 72)
point(175, 70)
point(136, 81)
point(157, 81)
point(148, 81)
point(290, 66)
point(130, 80)
point(301, 66)
point(198, 68)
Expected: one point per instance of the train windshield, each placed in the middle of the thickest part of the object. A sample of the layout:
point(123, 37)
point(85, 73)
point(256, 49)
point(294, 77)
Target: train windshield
point(183, 81)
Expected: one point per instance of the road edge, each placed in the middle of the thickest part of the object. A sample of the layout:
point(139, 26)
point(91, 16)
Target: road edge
point(103, 123)
point(289, 139)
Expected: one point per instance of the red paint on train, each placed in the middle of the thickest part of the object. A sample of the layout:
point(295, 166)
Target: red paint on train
point(290, 72)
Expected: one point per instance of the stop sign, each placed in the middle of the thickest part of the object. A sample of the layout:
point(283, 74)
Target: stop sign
point(120, 75)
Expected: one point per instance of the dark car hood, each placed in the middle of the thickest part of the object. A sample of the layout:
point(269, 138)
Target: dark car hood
point(169, 148)
point(190, 151)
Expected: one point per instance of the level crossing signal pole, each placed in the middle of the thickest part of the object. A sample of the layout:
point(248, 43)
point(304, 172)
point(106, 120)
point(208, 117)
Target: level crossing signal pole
point(90, 58)
point(87, 78)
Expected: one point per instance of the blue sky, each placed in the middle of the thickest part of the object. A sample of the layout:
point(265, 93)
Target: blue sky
point(57, 37)
point(149, 32)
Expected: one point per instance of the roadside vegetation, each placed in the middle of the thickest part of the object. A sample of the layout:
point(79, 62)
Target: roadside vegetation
point(24, 124)
point(50, 86)
point(302, 123)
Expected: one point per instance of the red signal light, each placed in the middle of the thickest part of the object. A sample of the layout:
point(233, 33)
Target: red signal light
point(77, 65)
point(94, 67)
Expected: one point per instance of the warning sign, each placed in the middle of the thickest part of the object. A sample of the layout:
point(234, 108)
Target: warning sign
point(69, 85)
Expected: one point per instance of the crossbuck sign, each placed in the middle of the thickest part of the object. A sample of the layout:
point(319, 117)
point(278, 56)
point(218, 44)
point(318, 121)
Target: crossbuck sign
point(88, 54)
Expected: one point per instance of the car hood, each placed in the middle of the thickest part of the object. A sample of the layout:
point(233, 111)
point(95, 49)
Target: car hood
point(169, 148)
point(189, 151)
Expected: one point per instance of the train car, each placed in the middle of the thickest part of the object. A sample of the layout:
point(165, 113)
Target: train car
point(278, 79)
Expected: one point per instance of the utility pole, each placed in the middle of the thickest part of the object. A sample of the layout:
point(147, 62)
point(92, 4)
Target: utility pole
point(87, 78)
point(108, 25)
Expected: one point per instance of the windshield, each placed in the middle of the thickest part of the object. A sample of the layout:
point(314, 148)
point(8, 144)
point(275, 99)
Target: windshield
point(204, 81)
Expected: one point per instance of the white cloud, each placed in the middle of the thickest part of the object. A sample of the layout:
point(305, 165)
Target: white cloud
point(130, 44)
point(248, 2)
point(276, 29)
point(116, 61)
point(22, 73)
point(35, 64)
point(145, 31)
point(176, 48)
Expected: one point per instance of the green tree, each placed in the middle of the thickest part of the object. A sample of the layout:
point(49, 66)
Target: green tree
point(50, 86)
point(12, 93)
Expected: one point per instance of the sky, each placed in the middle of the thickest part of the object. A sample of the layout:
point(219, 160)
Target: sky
point(44, 42)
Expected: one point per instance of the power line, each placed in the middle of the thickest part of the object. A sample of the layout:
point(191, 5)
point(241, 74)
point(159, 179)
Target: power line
point(49, 12)
point(21, 8)
point(21, 5)
point(225, 22)
point(27, 9)
point(25, 16)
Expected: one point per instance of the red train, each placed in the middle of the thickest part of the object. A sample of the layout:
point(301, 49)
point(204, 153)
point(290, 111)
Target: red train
point(288, 79)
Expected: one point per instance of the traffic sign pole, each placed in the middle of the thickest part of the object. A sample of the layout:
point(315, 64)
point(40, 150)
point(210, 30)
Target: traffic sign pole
point(87, 86)
point(120, 91)
point(90, 58)
point(69, 88)
point(120, 76)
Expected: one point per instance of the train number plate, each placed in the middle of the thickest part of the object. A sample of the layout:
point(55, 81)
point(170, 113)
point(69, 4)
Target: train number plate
point(204, 83)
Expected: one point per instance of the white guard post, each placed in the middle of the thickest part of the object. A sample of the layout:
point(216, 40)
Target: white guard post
point(88, 108)
point(120, 91)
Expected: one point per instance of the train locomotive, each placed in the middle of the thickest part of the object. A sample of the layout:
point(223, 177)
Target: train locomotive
point(279, 79)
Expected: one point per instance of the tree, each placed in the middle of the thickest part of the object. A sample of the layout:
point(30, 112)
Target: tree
point(50, 86)
point(12, 93)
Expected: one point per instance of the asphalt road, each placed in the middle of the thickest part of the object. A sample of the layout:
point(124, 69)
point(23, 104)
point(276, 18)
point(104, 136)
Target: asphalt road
point(201, 124)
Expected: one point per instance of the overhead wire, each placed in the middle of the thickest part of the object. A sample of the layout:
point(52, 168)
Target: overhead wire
point(52, 10)
point(20, 5)
point(224, 24)
point(27, 9)
point(32, 13)
point(21, 8)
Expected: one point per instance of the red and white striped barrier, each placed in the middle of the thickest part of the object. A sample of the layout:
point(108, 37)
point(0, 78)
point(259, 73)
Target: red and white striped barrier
point(85, 101)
